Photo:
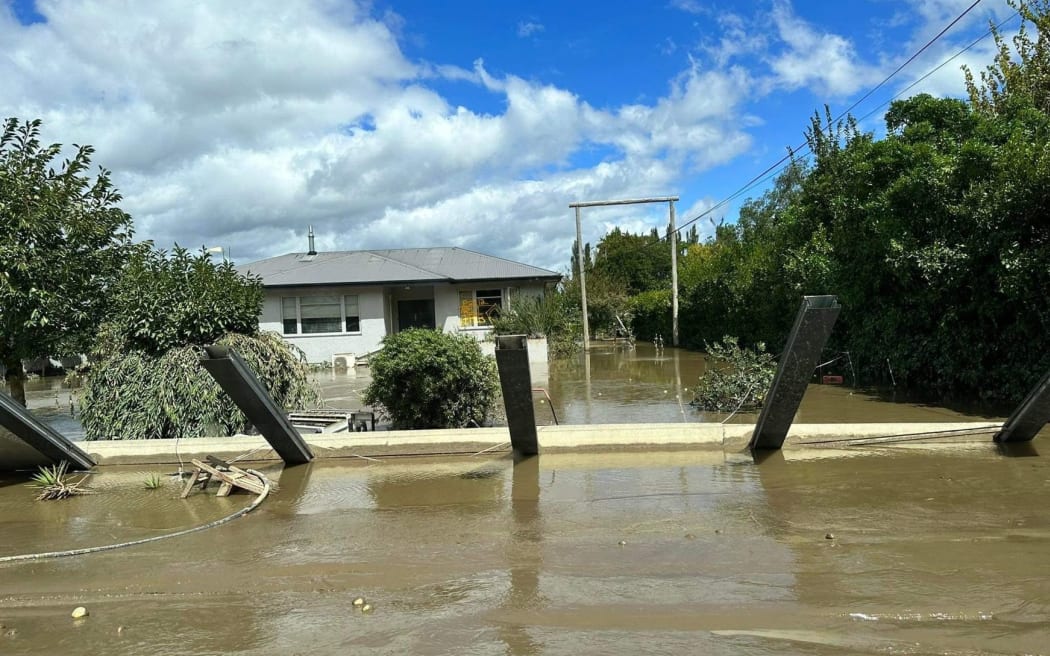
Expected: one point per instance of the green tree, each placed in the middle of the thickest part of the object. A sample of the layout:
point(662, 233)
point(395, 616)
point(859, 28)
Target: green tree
point(940, 246)
point(146, 381)
point(430, 379)
point(166, 301)
point(637, 263)
point(1020, 72)
point(63, 243)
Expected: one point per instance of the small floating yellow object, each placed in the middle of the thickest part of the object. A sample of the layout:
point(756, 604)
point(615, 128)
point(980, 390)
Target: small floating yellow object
point(360, 601)
point(80, 612)
point(367, 608)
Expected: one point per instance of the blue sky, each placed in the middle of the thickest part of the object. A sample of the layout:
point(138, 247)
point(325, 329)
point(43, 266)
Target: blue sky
point(405, 123)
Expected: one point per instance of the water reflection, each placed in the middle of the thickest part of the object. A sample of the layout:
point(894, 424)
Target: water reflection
point(930, 548)
point(611, 385)
point(525, 556)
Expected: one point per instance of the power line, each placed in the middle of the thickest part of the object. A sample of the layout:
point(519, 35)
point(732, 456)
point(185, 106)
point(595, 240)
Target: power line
point(762, 177)
point(803, 150)
point(778, 166)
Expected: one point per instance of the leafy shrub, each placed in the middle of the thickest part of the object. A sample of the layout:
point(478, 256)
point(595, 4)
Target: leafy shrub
point(552, 315)
point(740, 379)
point(429, 379)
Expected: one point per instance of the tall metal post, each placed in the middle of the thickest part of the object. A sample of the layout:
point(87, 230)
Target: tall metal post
point(583, 281)
point(674, 278)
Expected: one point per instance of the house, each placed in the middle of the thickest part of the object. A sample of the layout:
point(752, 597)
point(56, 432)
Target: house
point(342, 304)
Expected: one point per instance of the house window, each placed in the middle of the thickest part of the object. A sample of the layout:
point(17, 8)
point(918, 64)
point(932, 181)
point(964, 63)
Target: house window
point(479, 307)
point(312, 315)
point(290, 315)
point(320, 314)
point(353, 319)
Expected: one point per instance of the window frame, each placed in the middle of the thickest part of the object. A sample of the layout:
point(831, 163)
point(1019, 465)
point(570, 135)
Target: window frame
point(343, 317)
point(475, 320)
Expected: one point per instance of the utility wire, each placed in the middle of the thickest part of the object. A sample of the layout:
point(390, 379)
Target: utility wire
point(802, 149)
point(777, 165)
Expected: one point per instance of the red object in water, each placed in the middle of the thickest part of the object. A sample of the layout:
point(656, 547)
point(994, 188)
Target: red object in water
point(831, 380)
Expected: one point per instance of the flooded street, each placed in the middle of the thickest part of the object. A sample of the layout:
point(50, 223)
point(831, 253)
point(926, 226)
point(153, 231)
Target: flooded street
point(615, 385)
point(611, 385)
point(935, 549)
point(931, 551)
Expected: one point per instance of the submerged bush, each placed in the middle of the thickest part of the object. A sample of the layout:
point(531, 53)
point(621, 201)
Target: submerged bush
point(739, 379)
point(136, 395)
point(429, 379)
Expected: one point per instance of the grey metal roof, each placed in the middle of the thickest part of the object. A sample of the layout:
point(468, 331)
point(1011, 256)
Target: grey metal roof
point(394, 266)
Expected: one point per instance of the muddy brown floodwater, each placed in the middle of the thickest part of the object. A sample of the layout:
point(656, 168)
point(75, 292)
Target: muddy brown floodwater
point(930, 550)
point(616, 385)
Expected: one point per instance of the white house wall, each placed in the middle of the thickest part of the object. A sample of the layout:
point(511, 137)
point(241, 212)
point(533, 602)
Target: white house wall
point(321, 348)
point(376, 307)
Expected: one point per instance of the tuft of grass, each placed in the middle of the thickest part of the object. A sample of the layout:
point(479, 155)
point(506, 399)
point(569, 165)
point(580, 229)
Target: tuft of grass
point(53, 484)
point(152, 481)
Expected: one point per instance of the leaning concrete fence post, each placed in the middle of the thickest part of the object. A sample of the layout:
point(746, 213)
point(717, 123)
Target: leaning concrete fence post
point(813, 323)
point(512, 361)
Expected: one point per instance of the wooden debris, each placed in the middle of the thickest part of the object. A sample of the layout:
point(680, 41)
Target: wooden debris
point(229, 477)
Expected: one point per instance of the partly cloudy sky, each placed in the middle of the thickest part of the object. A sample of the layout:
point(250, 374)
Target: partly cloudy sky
point(473, 123)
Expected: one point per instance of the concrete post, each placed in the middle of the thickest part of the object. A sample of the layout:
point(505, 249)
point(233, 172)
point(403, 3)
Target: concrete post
point(240, 383)
point(512, 361)
point(813, 323)
point(1029, 417)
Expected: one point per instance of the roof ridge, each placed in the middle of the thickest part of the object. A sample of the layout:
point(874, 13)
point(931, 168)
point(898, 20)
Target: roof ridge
point(407, 264)
point(301, 264)
point(503, 259)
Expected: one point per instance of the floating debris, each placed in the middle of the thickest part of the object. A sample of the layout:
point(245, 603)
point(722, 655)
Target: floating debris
point(80, 612)
point(360, 601)
point(53, 485)
point(829, 536)
point(367, 608)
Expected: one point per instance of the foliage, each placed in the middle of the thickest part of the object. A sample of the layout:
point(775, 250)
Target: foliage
point(625, 265)
point(651, 314)
point(53, 484)
point(152, 481)
point(167, 302)
point(1021, 73)
point(63, 242)
point(935, 239)
point(430, 379)
point(634, 263)
point(146, 381)
point(605, 302)
point(552, 315)
point(131, 394)
point(739, 379)
point(940, 246)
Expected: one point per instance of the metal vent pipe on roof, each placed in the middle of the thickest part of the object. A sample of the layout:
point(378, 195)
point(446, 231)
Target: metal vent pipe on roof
point(312, 251)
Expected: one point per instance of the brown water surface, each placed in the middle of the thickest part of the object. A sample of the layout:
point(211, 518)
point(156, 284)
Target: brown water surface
point(618, 385)
point(934, 551)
